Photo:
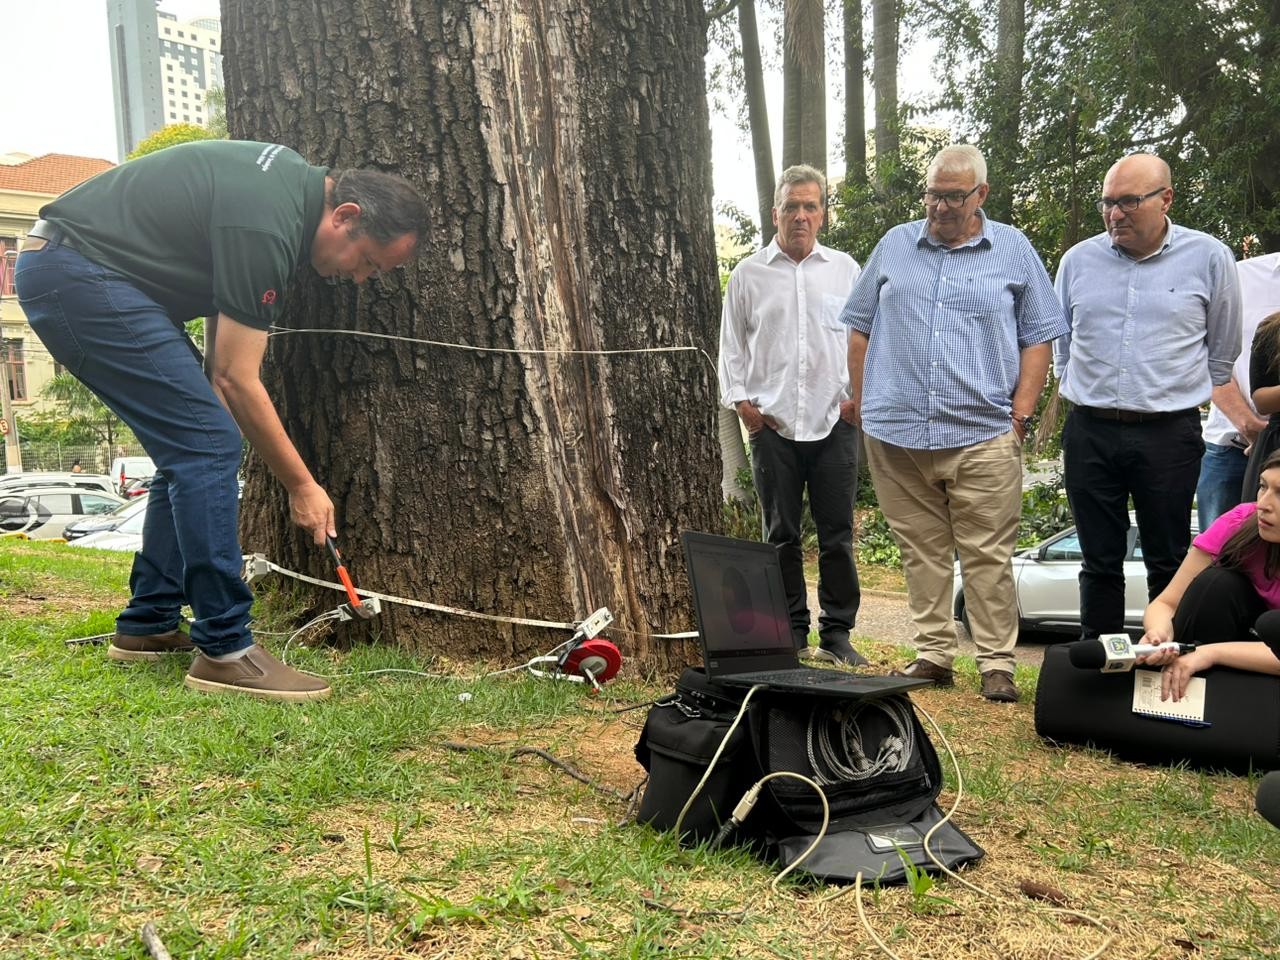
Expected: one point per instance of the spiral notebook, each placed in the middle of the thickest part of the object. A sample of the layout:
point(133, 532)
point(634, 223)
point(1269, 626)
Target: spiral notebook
point(1147, 702)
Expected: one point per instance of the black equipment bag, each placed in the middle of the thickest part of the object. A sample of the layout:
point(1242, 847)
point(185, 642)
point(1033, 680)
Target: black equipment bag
point(680, 736)
point(1092, 708)
point(872, 818)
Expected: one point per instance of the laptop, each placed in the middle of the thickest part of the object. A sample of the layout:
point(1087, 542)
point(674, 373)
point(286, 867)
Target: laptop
point(745, 626)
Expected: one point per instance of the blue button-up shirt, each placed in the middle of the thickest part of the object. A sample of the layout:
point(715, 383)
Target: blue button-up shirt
point(1153, 335)
point(947, 327)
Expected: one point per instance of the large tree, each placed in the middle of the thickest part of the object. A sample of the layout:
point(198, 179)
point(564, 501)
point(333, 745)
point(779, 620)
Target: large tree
point(564, 152)
point(804, 84)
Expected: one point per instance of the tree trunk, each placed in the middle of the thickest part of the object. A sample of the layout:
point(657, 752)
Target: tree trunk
point(757, 117)
point(565, 157)
point(804, 85)
point(1006, 122)
point(884, 23)
point(855, 110)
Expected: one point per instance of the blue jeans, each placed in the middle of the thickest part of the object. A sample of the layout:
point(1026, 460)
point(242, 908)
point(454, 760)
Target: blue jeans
point(122, 345)
point(1221, 475)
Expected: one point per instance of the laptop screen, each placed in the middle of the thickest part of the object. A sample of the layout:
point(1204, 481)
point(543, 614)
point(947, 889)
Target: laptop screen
point(738, 595)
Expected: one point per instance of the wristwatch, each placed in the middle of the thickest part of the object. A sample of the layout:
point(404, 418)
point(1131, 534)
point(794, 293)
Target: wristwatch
point(1027, 421)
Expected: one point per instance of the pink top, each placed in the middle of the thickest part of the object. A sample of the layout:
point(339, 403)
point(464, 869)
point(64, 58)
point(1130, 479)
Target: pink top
point(1212, 540)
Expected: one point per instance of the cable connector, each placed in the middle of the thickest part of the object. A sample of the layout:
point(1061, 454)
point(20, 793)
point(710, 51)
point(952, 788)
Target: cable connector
point(740, 813)
point(256, 566)
point(371, 604)
point(592, 626)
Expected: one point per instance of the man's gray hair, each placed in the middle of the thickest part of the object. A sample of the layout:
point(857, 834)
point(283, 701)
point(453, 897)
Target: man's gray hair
point(800, 173)
point(960, 158)
point(390, 206)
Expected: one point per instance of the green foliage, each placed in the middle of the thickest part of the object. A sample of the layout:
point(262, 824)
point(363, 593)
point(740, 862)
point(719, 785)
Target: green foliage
point(215, 104)
point(82, 412)
point(1044, 511)
point(875, 542)
point(920, 885)
point(170, 136)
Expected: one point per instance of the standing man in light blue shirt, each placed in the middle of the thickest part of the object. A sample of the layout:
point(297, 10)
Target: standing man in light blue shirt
point(952, 320)
point(1154, 312)
point(782, 369)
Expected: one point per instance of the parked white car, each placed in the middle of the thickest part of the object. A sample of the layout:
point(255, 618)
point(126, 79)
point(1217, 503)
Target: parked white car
point(40, 513)
point(126, 469)
point(1046, 581)
point(126, 537)
point(10, 482)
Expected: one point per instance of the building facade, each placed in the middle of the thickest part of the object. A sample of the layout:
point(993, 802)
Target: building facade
point(26, 184)
point(162, 69)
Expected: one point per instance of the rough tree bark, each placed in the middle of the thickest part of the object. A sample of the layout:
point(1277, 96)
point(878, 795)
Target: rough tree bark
point(804, 85)
point(884, 24)
point(757, 117)
point(1006, 122)
point(564, 152)
point(855, 110)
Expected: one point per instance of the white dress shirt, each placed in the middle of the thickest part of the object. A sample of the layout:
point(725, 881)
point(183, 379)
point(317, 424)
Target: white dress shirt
point(782, 345)
point(1259, 298)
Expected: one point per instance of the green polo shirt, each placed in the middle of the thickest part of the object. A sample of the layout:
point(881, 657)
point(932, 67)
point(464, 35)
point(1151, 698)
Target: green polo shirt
point(214, 226)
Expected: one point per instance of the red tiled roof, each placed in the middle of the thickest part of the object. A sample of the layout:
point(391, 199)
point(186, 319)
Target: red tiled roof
point(51, 174)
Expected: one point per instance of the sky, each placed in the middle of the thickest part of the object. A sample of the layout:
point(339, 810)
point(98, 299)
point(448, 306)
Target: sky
point(71, 111)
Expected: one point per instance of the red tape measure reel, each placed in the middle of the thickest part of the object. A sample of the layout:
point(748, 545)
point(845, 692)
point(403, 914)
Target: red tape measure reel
point(594, 657)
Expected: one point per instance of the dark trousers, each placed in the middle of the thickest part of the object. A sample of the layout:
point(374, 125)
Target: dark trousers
point(1220, 604)
point(121, 344)
point(828, 469)
point(1106, 462)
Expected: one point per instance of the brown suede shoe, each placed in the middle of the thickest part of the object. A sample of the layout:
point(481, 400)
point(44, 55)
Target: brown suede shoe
point(256, 674)
point(926, 670)
point(998, 685)
point(157, 646)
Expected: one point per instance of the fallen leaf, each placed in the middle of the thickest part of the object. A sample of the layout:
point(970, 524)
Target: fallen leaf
point(1042, 891)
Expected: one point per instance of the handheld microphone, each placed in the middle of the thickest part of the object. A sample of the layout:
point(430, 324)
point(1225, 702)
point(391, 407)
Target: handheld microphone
point(1269, 798)
point(1115, 652)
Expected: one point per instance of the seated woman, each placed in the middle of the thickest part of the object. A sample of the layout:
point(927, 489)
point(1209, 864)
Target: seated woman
point(1225, 598)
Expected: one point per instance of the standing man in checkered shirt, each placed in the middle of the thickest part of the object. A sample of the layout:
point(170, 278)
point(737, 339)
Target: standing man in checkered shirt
point(952, 321)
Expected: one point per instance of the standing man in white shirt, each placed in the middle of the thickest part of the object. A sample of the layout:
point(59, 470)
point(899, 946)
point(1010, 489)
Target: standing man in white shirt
point(1233, 423)
point(782, 368)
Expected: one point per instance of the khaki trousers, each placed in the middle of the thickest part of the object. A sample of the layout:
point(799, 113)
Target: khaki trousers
point(940, 503)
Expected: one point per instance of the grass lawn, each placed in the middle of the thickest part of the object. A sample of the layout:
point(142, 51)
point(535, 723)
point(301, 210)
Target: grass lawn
point(348, 828)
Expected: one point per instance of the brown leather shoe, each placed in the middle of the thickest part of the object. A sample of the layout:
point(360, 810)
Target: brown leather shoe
point(256, 674)
point(927, 670)
point(998, 685)
point(157, 646)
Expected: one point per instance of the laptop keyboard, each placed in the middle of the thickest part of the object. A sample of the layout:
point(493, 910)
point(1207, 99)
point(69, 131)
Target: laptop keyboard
point(798, 676)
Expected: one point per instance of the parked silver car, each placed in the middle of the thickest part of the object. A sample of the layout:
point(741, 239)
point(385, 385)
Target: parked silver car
point(1046, 581)
point(106, 521)
point(9, 482)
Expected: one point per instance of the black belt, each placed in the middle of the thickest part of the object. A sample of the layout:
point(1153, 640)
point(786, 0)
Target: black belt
point(1136, 416)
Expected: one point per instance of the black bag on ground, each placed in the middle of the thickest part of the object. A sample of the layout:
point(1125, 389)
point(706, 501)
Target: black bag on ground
point(874, 761)
point(1092, 708)
point(680, 736)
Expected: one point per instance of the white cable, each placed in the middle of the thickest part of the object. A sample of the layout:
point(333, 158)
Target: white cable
point(742, 710)
point(530, 351)
point(954, 875)
point(453, 611)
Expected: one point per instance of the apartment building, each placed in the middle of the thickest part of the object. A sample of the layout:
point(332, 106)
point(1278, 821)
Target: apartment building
point(162, 68)
point(26, 184)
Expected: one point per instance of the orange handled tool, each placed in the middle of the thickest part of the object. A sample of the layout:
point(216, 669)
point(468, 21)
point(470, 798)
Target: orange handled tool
point(357, 606)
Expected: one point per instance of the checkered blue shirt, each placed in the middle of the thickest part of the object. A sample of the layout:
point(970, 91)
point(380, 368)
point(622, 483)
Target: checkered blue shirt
point(946, 328)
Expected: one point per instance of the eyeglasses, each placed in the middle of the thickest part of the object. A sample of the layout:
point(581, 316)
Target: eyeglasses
point(949, 200)
point(1127, 204)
